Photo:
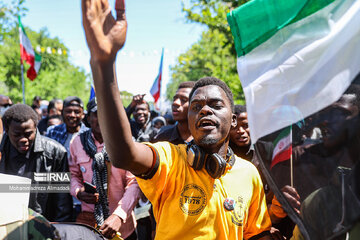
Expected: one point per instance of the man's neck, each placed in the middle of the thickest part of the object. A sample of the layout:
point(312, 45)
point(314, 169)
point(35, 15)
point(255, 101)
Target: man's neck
point(184, 131)
point(242, 152)
point(73, 129)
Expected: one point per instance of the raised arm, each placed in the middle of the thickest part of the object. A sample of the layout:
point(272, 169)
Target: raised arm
point(105, 36)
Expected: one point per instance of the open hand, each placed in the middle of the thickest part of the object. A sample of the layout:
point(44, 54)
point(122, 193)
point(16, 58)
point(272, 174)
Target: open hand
point(105, 36)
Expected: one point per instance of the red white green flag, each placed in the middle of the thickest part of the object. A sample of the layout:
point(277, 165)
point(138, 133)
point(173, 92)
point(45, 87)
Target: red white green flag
point(282, 147)
point(28, 54)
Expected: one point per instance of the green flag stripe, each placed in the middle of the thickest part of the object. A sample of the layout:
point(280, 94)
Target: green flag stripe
point(37, 57)
point(256, 21)
point(21, 26)
point(282, 134)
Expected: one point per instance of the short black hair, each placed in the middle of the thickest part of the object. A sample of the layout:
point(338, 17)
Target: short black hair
point(206, 81)
point(19, 113)
point(239, 109)
point(34, 106)
point(37, 98)
point(189, 84)
point(53, 102)
point(55, 117)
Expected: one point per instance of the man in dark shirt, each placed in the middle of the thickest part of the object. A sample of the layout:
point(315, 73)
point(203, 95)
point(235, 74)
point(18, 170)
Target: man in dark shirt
point(178, 133)
point(141, 127)
point(24, 151)
point(54, 108)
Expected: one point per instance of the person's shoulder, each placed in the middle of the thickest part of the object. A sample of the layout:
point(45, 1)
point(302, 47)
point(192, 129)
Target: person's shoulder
point(168, 128)
point(51, 146)
point(245, 164)
point(167, 147)
point(55, 128)
point(76, 140)
point(164, 133)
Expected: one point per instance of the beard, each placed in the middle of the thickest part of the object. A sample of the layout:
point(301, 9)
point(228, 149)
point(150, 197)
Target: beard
point(207, 141)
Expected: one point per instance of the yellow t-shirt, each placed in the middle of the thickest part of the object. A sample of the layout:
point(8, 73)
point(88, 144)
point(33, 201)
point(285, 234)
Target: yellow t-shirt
point(189, 204)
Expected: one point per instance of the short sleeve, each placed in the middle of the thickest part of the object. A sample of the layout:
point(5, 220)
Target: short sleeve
point(168, 155)
point(258, 222)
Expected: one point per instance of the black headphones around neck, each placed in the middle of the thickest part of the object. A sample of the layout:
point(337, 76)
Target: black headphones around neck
point(214, 164)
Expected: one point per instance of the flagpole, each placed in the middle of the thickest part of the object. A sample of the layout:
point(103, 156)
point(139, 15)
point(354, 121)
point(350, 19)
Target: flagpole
point(291, 163)
point(22, 66)
point(23, 82)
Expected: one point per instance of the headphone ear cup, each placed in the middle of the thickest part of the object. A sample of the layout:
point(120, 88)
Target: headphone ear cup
point(195, 157)
point(215, 165)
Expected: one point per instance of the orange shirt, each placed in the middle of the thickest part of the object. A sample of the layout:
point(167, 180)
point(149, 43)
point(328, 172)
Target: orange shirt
point(189, 204)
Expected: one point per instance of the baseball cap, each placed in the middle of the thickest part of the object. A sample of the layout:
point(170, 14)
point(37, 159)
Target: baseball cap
point(68, 102)
point(92, 105)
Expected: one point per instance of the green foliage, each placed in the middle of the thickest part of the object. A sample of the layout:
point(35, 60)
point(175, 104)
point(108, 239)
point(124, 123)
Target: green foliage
point(214, 54)
point(57, 76)
point(9, 14)
point(126, 98)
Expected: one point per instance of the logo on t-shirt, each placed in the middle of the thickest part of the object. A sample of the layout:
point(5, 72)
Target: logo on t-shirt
point(192, 200)
point(237, 215)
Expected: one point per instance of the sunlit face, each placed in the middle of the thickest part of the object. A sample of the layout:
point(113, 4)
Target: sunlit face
point(73, 115)
point(180, 104)
point(141, 113)
point(210, 117)
point(240, 135)
point(22, 135)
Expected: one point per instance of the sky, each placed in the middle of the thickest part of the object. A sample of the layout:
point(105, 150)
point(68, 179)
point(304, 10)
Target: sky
point(152, 25)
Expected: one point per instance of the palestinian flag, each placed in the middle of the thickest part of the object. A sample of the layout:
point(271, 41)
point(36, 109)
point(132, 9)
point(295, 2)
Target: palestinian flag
point(295, 57)
point(282, 147)
point(28, 54)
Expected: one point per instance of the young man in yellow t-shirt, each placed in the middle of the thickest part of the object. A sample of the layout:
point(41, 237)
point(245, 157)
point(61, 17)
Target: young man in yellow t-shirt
point(223, 198)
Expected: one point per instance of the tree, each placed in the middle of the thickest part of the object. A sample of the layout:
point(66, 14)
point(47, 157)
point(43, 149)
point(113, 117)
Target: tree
point(57, 76)
point(214, 54)
point(9, 14)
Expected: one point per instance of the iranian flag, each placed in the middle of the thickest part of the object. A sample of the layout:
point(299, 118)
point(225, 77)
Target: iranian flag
point(282, 147)
point(156, 87)
point(28, 54)
point(295, 57)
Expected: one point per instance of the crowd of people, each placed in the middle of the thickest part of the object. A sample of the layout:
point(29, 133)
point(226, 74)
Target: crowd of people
point(136, 175)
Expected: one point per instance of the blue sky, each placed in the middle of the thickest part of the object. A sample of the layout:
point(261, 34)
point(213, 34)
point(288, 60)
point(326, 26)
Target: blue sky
point(151, 26)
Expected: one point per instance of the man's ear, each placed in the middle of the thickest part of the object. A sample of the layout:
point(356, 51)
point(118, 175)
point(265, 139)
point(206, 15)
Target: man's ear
point(233, 121)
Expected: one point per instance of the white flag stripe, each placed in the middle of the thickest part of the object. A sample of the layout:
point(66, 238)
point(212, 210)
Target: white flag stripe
point(25, 42)
point(282, 145)
point(37, 66)
point(311, 77)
